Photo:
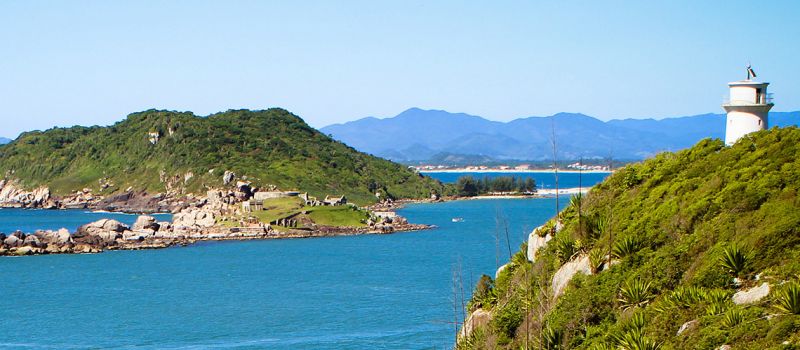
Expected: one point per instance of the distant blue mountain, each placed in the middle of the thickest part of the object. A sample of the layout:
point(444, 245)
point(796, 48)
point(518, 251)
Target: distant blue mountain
point(420, 135)
point(4, 140)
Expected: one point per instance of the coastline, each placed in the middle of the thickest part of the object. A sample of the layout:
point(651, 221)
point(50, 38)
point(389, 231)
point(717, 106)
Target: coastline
point(464, 170)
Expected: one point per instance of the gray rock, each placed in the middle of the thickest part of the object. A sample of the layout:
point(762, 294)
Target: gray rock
point(562, 277)
point(145, 222)
point(687, 326)
point(32, 241)
point(751, 295)
point(228, 177)
point(12, 241)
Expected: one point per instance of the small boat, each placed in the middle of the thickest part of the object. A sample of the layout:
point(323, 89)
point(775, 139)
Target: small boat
point(458, 219)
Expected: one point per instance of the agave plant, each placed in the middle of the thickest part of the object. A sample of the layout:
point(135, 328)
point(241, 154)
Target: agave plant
point(565, 248)
point(636, 323)
point(716, 308)
point(734, 260)
point(597, 259)
point(551, 339)
point(634, 340)
point(625, 247)
point(635, 293)
point(788, 299)
point(733, 317)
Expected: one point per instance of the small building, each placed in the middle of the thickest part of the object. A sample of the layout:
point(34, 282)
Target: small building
point(385, 214)
point(334, 200)
point(262, 195)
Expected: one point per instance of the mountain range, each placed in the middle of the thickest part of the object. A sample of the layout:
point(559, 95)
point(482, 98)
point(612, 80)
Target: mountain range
point(4, 140)
point(418, 135)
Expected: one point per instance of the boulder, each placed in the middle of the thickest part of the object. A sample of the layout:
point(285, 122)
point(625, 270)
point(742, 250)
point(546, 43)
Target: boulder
point(227, 177)
point(145, 222)
point(478, 318)
point(12, 241)
point(751, 295)
point(688, 326)
point(535, 242)
point(562, 277)
point(32, 241)
point(499, 270)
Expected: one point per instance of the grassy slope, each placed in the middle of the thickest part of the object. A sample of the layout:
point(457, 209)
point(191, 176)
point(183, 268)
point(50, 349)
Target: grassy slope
point(680, 211)
point(269, 147)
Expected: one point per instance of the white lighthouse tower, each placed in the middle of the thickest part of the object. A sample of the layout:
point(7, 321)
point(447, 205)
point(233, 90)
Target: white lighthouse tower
point(747, 107)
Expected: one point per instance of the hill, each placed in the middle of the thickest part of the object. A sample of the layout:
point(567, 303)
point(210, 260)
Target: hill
point(688, 250)
point(178, 152)
point(4, 140)
point(420, 135)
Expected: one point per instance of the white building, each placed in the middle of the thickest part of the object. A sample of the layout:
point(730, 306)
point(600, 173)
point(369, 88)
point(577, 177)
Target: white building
point(747, 107)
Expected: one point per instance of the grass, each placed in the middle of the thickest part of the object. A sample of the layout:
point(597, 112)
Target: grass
point(278, 208)
point(344, 215)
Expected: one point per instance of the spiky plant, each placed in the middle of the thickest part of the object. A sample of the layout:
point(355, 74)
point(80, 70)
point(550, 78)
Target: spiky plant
point(635, 293)
point(597, 259)
point(634, 340)
point(602, 346)
point(733, 317)
point(636, 323)
point(565, 248)
point(788, 299)
point(552, 339)
point(734, 260)
point(625, 247)
point(716, 308)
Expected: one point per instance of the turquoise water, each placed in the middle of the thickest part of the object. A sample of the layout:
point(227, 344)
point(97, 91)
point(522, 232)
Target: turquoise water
point(360, 292)
point(543, 180)
point(32, 220)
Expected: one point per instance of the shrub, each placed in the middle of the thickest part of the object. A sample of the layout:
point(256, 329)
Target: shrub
point(552, 339)
point(732, 318)
point(635, 293)
point(734, 260)
point(625, 247)
point(788, 299)
point(565, 248)
point(597, 260)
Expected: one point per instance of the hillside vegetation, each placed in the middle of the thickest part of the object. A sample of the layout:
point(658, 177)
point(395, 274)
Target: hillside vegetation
point(685, 231)
point(267, 147)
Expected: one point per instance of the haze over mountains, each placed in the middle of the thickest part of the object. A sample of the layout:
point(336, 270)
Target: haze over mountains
point(418, 135)
point(4, 140)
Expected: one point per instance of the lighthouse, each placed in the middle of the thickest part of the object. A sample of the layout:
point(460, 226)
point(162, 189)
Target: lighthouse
point(748, 107)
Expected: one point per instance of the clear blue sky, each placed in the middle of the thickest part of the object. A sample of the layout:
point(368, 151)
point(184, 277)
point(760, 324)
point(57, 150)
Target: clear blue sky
point(69, 62)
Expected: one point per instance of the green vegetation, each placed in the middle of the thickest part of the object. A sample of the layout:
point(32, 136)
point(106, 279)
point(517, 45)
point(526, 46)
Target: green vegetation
point(469, 186)
point(278, 208)
point(343, 215)
point(669, 241)
point(269, 147)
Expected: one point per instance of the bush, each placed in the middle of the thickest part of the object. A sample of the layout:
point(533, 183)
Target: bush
point(734, 260)
point(635, 293)
point(788, 299)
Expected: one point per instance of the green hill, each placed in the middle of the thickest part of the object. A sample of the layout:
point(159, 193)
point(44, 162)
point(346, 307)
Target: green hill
point(268, 147)
point(680, 227)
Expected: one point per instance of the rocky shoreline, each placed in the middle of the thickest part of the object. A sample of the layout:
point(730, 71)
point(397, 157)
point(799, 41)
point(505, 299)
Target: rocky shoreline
point(147, 233)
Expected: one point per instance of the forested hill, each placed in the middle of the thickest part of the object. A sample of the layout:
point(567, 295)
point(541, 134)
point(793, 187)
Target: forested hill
point(156, 151)
point(704, 251)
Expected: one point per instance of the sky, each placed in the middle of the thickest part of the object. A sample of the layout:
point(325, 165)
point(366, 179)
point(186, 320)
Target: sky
point(66, 63)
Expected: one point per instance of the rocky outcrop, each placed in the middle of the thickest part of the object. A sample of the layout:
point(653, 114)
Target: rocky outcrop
point(227, 177)
point(536, 242)
point(14, 195)
point(194, 217)
point(477, 319)
point(751, 295)
point(146, 222)
point(562, 277)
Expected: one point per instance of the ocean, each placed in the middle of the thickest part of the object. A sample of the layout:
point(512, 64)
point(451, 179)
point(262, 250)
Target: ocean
point(356, 292)
point(543, 179)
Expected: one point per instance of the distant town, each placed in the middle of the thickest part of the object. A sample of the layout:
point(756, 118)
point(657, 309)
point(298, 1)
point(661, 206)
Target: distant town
point(577, 166)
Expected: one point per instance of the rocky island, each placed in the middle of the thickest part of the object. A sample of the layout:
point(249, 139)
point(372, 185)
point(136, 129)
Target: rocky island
point(231, 175)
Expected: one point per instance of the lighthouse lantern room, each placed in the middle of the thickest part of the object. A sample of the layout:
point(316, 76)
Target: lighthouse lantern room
point(748, 107)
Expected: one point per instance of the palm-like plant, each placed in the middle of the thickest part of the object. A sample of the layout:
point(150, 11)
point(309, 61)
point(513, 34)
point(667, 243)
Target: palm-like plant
point(634, 340)
point(732, 318)
point(788, 299)
point(635, 293)
point(565, 248)
point(597, 259)
point(551, 339)
point(734, 260)
point(626, 246)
